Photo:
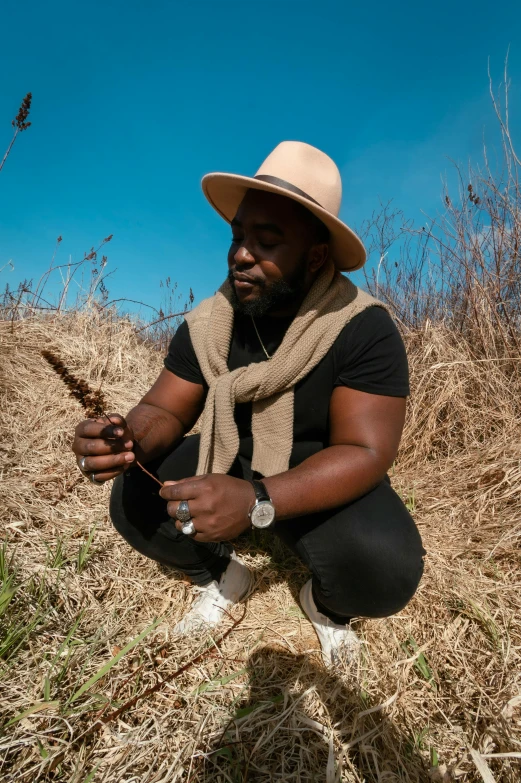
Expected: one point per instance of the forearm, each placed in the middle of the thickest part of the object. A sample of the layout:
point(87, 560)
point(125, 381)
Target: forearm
point(335, 476)
point(155, 430)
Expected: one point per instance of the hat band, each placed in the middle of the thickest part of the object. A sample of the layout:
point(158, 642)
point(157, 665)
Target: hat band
point(281, 183)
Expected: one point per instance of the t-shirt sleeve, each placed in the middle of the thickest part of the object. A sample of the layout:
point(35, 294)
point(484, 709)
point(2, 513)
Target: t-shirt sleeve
point(370, 355)
point(181, 358)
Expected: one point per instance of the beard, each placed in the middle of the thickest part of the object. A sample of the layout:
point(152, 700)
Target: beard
point(272, 297)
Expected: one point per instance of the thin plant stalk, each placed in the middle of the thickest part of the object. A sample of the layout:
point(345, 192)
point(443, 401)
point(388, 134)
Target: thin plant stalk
point(19, 124)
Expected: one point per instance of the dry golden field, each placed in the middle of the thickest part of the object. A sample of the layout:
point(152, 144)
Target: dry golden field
point(92, 687)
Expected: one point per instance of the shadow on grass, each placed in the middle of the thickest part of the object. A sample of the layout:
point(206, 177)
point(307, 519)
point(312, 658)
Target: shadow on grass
point(302, 722)
point(274, 734)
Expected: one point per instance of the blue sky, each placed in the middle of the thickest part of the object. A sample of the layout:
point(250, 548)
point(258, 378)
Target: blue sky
point(134, 101)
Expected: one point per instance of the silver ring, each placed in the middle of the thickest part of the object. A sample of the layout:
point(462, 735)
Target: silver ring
point(188, 528)
point(183, 512)
point(94, 480)
point(81, 464)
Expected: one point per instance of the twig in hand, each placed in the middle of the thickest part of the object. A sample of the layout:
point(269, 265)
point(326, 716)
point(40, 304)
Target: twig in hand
point(144, 469)
point(93, 402)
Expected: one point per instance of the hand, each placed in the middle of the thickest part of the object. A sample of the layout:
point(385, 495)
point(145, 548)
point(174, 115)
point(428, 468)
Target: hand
point(219, 504)
point(107, 448)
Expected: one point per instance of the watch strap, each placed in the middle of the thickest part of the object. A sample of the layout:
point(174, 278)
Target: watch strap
point(261, 493)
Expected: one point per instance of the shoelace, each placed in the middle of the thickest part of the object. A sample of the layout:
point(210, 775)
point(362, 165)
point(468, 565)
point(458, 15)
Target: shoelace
point(203, 589)
point(340, 637)
point(203, 592)
point(206, 592)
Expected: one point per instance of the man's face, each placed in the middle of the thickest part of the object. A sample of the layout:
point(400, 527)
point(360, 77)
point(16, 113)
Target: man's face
point(273, 256)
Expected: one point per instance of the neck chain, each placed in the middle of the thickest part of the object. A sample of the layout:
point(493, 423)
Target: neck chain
point(260, 339)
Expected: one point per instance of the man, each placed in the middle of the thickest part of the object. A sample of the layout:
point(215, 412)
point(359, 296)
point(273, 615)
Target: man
point(302, 381)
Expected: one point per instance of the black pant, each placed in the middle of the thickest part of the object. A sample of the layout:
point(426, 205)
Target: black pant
point(366, 558)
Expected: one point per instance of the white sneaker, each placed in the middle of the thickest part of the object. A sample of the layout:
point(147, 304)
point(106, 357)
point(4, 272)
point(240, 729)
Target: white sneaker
point(208, 608)
point(338, 642)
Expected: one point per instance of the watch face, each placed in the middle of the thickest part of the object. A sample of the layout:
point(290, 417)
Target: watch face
point(263, 514)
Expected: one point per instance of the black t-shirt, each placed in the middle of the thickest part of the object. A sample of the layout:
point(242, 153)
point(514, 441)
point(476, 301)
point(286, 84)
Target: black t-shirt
point(368, 355)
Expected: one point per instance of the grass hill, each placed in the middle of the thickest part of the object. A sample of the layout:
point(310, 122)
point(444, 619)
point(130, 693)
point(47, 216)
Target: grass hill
point(84, 620)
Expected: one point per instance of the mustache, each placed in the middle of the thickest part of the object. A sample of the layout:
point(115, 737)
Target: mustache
point(259, 282)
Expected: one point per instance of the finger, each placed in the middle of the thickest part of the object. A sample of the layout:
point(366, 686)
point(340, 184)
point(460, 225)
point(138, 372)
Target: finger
point(95, 464)
point(119, 425)
point(198, 536)
point(100, 428)
point(173, 505)
point(95, 428)
point(116, 419)
point(179, 526)
point(182, 490)
point(105, 475)
point(99, 447)
point(184, 480)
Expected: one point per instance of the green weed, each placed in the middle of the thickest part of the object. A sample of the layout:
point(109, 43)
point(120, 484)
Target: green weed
point(109, 665)
point(18, 619)
point(59, 664)
point(84, 552)
point(38, 707)
point(410, 501)
point(410, 647)
point(16, 634)
point(218, 682)
point(243, 711)
point(57, 557)
point(7, 578)
point(295, 611)
point(482, 615)
point(91, 774)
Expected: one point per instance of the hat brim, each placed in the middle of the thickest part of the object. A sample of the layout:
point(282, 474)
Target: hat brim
point(226, 191)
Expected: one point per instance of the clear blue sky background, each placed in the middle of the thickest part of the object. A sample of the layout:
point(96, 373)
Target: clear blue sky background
point(134, 101)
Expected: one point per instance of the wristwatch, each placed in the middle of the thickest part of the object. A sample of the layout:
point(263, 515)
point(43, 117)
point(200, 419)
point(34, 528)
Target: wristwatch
point(263, 512)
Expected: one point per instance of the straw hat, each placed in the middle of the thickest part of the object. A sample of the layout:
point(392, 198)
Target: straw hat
point(300, 172)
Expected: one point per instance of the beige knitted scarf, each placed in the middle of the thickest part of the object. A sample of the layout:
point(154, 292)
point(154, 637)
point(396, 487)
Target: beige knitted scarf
point(331, 302)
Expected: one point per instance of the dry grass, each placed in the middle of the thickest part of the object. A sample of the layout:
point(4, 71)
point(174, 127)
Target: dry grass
point(437, 695)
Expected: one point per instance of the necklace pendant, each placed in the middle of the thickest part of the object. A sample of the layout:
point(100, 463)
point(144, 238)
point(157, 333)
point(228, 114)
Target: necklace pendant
point(268, 356)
